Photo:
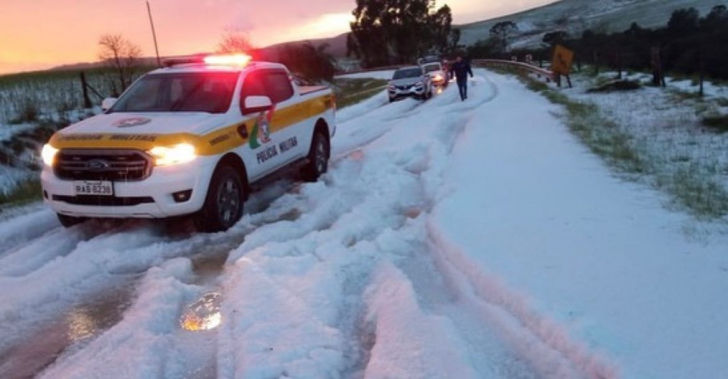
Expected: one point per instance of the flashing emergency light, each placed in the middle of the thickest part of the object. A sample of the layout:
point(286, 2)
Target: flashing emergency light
point(227, 60)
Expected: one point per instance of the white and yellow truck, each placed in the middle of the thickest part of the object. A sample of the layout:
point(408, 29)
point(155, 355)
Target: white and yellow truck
point(189, 139)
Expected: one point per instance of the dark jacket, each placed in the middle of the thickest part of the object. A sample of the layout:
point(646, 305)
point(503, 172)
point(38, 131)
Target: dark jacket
point(460, 70)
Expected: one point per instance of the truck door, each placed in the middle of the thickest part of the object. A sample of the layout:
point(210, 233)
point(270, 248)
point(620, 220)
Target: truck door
point(289, 118)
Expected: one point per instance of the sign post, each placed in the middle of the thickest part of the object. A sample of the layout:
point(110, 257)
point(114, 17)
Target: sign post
point(561, 63)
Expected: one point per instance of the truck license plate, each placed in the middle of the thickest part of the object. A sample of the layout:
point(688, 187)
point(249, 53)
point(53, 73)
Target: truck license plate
point(94, 187)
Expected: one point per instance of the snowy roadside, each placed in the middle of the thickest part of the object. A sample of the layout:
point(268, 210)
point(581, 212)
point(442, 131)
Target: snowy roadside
point(544, 217)
point(383, 75)
point(659, 136)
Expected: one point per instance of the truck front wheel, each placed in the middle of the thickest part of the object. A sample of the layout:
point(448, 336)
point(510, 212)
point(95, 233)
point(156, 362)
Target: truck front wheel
point(224, 202)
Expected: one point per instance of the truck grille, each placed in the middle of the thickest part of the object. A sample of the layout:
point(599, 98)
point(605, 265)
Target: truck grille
point(114, 165)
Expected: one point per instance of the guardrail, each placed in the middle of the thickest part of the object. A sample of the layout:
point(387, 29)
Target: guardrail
point(502, 63)
point(382, 68)
point(498, 63)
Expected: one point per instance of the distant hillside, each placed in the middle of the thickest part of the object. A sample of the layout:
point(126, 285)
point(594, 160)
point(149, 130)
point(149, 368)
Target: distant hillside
point(337, 48)
point(144, 62)
point(574, 16)
point(337, 45)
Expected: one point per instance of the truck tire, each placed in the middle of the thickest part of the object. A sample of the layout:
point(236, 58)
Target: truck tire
point(69, 221)
point(318, 158)
point(224, 202)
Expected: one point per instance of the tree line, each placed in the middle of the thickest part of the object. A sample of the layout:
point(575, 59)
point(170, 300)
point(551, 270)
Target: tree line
point(391, 32)
point(689, 44)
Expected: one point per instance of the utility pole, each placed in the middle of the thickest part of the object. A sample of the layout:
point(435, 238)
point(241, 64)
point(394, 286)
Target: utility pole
point(154, 34)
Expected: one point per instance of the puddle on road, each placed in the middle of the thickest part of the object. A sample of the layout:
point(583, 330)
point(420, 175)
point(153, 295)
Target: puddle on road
point(72, 330)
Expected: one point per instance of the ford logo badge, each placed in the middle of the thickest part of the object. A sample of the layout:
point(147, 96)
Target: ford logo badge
point(97, 165)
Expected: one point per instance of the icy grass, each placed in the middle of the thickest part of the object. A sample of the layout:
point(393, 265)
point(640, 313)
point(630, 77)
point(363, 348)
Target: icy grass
point(28, 97)
point(355, 90)
point(654, 136)
point(25, 192)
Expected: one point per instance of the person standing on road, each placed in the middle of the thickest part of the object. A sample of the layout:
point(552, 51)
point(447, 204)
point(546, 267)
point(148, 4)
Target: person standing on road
point(460, 70)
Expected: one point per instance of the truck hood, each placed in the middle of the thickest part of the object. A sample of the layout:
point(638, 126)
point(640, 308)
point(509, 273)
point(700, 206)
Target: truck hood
point(147, 123)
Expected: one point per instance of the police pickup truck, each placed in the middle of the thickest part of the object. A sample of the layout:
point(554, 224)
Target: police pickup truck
point(189, 139)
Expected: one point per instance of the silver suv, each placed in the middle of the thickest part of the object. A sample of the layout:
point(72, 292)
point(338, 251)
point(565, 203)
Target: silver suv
point(410, 81)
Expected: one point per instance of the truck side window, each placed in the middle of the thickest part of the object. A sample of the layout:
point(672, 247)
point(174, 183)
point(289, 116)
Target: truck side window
point(253, 86)
point(279, 86)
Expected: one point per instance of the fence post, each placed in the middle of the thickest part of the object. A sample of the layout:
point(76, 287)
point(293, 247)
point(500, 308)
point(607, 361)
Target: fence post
point(702, 75)
point(84, 86)
point(619, 65)
point(657, 77)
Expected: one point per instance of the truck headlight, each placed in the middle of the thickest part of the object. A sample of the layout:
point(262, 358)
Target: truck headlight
point(419, 84)
point(48, 154)
point(172, 155)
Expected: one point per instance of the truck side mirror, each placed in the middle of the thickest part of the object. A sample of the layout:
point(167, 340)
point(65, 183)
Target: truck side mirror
point(108, 103)
point(254, 104)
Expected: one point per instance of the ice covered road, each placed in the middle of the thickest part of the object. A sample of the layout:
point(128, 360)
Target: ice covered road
point(449, 239)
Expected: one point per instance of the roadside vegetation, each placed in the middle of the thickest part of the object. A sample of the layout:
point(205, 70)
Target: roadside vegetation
point(689, 45)
point(661, 138)
point(351, 91)
point(26, 192)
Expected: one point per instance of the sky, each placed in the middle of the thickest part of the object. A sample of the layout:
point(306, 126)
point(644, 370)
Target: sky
point(39, 34)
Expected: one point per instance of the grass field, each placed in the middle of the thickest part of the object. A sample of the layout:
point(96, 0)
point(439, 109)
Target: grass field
point(352, 91)
point(29, 97)
point(656, 136)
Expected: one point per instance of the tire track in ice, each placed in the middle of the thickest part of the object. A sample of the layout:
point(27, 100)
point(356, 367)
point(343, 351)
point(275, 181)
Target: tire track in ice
point(196, 273)
point(505, 337)
point(545, 345)
point(297, 294)
point(533, 339)
point(438, 307)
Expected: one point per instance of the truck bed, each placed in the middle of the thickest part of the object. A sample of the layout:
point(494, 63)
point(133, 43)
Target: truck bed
point(306, 90)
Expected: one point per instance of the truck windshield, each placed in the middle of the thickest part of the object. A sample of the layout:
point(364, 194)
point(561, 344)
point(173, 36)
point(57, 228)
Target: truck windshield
point(407, 73)
point(209, 92)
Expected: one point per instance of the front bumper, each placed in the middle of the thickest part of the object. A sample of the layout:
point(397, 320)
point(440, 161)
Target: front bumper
point(148, 198)
point(405, 92)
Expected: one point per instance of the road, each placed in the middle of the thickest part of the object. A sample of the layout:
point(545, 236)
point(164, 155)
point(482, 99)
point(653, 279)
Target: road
point(350, 277)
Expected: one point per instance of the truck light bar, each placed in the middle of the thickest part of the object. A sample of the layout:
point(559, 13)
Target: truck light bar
point(212, 60)
point(228, 60)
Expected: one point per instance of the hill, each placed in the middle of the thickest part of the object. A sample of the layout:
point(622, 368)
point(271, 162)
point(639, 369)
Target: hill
point(575, 16)
point(337, 45)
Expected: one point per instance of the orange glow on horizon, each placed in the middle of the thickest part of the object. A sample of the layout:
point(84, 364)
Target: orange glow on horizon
point(42, 34)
